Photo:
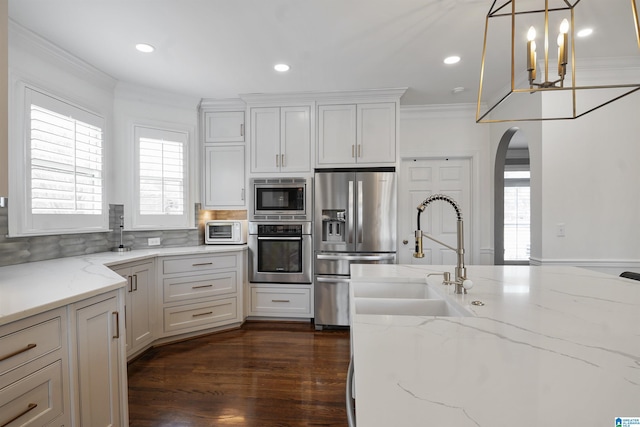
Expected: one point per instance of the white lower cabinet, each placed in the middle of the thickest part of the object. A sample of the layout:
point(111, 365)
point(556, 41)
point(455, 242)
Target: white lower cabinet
point(34, 371)
point(139, 303)
point(284, 301)
point(100, 380)
point(201, 291)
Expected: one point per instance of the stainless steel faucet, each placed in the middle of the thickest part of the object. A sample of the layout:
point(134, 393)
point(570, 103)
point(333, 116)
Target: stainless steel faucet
point(461, 282)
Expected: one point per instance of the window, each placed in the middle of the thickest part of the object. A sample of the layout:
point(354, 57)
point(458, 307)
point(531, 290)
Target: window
point(62, 185)
point(162, 185)
point(517, 208)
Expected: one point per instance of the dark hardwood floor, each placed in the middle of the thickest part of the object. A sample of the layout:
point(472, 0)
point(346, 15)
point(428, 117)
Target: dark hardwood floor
point(264, 374)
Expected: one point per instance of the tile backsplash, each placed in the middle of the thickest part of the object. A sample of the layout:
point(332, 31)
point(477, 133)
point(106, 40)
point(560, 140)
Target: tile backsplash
point(18, 250)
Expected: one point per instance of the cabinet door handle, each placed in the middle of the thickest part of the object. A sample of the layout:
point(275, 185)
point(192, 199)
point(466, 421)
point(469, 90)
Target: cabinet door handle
point(116, 315)
point(282, 161)
point(280, 300)
point(30, 407)
point(242, 194)
point(135, 277)
point(129, 284)
point(202, 314)
point(201, 286)
point(277, 160)
point(353, 150)
point(242, 129)
point(201, 263)
point(17, 352)
point(359, 150)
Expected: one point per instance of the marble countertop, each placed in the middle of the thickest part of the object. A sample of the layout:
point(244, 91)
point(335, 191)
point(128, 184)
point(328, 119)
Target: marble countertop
point(552, 346)
point(35, 287)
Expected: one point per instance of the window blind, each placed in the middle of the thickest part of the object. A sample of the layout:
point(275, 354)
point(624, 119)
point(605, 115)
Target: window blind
point(161, 172)
point(66, 164)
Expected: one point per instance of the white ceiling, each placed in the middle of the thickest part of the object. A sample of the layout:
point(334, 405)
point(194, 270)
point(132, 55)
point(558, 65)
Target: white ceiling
point(222, 48)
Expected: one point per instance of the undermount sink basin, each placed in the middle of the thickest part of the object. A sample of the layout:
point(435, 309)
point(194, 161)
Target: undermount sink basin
point(394, 290)
point(409, 307)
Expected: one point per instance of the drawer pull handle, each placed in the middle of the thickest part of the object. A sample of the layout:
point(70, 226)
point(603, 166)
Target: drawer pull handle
point(201, 286)
point(17, 352)
point(202, 314)
point(31, 407)
point(202, 263)
point(280, 300)
point(117, 333)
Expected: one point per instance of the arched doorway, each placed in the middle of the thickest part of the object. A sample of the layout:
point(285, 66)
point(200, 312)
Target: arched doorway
point(512, 208)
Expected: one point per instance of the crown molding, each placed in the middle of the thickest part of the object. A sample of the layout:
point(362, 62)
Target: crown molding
point(350, 96)
point(226, 104)
point(23, 38)
point(437, 110)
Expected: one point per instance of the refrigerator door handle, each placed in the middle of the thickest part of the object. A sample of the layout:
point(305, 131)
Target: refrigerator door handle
point(342, 257)
point(350, 213)
point(360, 201)
point(332, 280)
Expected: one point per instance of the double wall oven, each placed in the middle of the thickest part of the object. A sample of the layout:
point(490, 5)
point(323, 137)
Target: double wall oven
point(280, 243)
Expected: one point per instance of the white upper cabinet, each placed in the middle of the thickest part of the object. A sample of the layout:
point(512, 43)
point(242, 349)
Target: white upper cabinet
point(280, 139)
point(224, 126)
point(224, 176)
point(362, 134)
point(336, 134)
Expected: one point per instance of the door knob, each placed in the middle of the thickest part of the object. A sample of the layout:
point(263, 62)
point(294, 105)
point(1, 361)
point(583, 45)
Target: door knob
point(404, 242)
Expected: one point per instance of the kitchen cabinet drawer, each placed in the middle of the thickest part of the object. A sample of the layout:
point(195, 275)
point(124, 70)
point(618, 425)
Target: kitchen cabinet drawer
point(37, 398)
point(30, 342)
point(281, 301)
point(202, 286)
point(195, 264)
point(202, 314)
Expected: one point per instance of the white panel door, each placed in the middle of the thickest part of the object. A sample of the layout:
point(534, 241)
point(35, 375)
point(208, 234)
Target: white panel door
point(420, 179)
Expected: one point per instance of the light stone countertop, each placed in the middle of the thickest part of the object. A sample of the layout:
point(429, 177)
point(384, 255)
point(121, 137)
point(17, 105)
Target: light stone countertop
point(35, 287)
point(552, 346)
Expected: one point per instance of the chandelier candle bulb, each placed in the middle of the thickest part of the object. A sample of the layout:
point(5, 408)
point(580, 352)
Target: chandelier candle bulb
point(563, 42)
point(531, 54)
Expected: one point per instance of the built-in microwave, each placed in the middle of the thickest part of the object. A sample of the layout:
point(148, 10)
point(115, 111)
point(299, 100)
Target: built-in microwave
point(280, 199)
point(225, 232)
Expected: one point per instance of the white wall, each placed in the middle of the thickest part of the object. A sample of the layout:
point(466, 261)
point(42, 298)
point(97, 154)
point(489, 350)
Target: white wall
point(591, 183)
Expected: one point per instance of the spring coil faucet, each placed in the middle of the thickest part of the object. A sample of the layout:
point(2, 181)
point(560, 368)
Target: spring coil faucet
point(461, 282)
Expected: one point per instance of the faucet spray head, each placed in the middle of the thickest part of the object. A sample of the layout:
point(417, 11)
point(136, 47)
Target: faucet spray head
point(418, 252)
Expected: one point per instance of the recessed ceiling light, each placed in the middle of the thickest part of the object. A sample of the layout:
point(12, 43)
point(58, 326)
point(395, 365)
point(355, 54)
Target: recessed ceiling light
point(452, 60)
point(145, 48)
point(585, 32)
point(281, 67)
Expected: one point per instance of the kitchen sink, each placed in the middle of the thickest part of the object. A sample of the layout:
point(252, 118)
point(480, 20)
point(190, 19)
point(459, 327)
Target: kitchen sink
point(395, 290)
point(409, 307)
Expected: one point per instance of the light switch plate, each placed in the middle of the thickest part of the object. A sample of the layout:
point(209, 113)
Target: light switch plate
point(153, 241)
point(560, 230)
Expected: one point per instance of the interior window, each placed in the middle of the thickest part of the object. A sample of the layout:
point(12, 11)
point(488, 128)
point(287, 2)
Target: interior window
point(161, 178)
point(517, 219)
point(62, 185)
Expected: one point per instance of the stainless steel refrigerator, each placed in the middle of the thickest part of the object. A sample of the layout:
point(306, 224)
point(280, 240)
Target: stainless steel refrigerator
point(354, 222)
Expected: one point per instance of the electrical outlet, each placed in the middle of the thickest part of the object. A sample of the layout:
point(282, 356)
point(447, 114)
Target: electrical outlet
point(560, 231)
point(153, 241)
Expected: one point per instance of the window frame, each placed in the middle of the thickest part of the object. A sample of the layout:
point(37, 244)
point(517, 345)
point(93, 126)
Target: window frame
point(161, 222)
point(22, 222)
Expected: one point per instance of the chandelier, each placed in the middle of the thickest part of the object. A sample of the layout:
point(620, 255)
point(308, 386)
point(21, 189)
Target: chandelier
point(529, 51)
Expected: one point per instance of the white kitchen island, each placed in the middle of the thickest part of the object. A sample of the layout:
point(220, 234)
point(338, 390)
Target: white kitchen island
point(551, 346)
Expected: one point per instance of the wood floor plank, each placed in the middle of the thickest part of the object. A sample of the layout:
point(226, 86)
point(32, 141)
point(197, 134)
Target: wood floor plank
point(266, 374)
